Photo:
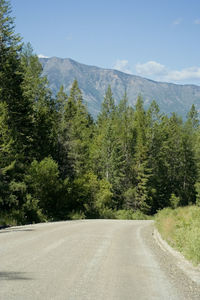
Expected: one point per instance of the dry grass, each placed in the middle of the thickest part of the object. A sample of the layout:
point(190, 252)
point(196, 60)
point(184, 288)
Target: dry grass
point(181, 229)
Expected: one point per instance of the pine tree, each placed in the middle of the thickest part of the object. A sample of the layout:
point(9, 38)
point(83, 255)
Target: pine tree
point(193, 118)
point(10, 46)
point(40, 128)
point(141, 197)
point(123, 124)
point(10, 77)
point(77, 128)
point(108, 150)
point(191, 157)
point(23, 96)
point(11, 111)
point(108, 106)
point(7, 158)
point(61, 154)
point(155, 137)
point(105, 137)
point(61, 99)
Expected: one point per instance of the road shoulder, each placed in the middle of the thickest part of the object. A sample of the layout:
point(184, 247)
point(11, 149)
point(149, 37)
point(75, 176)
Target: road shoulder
point(192, 272)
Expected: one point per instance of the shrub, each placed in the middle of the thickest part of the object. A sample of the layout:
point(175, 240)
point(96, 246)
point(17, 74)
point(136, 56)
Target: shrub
point(76, 215)
point(130, 214)
point(45, 186)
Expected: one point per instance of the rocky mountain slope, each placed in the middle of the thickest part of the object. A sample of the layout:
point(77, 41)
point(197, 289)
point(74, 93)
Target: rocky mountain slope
point(93, 82)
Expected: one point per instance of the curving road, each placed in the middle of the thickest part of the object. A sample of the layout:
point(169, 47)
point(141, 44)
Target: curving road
point(89, 259)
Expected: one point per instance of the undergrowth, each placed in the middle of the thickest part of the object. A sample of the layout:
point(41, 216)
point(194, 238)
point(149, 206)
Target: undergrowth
point(180, 227)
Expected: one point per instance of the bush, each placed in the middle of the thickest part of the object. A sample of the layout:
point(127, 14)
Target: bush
point(174, 201)
point(32, 212)
point(7, 220)
point(130, 214)
point(138, 215)
point(45, 186)
point(75, 215)
point(106, 213)
point(124, 214)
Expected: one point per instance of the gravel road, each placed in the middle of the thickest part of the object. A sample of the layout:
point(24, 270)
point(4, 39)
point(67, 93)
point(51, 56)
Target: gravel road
point(89, 259)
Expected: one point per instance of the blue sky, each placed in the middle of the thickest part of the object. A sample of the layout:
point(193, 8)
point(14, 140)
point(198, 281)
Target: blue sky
point(157, 39)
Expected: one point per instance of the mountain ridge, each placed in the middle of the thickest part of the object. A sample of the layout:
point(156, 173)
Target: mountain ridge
point(93, 82)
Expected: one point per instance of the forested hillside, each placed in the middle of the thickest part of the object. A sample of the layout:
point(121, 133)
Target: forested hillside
point(57, 163)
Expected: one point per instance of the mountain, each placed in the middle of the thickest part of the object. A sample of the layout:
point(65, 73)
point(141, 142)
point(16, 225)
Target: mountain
point(93, 82)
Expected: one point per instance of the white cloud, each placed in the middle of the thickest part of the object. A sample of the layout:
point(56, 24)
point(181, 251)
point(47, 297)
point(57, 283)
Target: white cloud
point(42, 56)
point(184, 74)
point(150, 68)
point(160, 72)
point(122, 65)
point(197, 21)
point(177, 21)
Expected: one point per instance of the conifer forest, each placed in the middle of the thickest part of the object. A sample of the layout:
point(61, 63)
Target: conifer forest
point(58, 163)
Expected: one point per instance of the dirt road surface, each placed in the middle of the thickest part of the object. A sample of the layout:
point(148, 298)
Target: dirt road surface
point(89, 259)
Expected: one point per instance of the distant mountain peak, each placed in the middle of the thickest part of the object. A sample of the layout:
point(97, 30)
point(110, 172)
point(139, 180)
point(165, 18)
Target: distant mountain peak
point(93, 81)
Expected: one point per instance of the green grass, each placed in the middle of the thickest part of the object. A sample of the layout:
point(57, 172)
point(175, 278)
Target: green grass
point(130, 215)
point(180, 227)
point(108, 213)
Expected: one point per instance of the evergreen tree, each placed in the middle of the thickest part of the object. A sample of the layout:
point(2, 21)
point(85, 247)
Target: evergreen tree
point(7, 158)
point(193, 118)
point(61, 155)
point(141, 197)
point(78, 130)
point(108, 150)
point(11, 110)
point(107, 107)
point(41, 124)
point(10, 46)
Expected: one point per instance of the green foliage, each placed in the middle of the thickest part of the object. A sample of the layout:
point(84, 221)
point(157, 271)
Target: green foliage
point(142, 172)
point(76, 133)
point(197, 187)
point(174, 201)
point(108, 106)
point(129, 198)
point(6, 141)
point(45, 186)
point(32, 211)
point(104, 195)
point(106, 213)
point(180, 227)
point(91, 196)
point(57, 163)
point(129, 214)
point(7, 220)
point(74, 215)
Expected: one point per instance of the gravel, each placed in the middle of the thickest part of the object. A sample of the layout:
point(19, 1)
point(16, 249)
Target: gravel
point(89, 259)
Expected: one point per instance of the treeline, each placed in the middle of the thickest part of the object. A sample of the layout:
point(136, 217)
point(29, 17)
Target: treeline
point(57, 163)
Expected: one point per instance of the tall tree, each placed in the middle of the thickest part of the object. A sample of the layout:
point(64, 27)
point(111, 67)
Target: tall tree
point(40, 127)
point(142, 172)
point(10, 96)
point(108, 106)
point(78, 130)
point(10, 46)
point(108, 153)
point(10, 76)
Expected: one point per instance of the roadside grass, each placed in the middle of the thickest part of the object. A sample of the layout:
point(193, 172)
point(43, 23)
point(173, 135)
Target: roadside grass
point(180, 227)
point(131, 215)
point(108, 213)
